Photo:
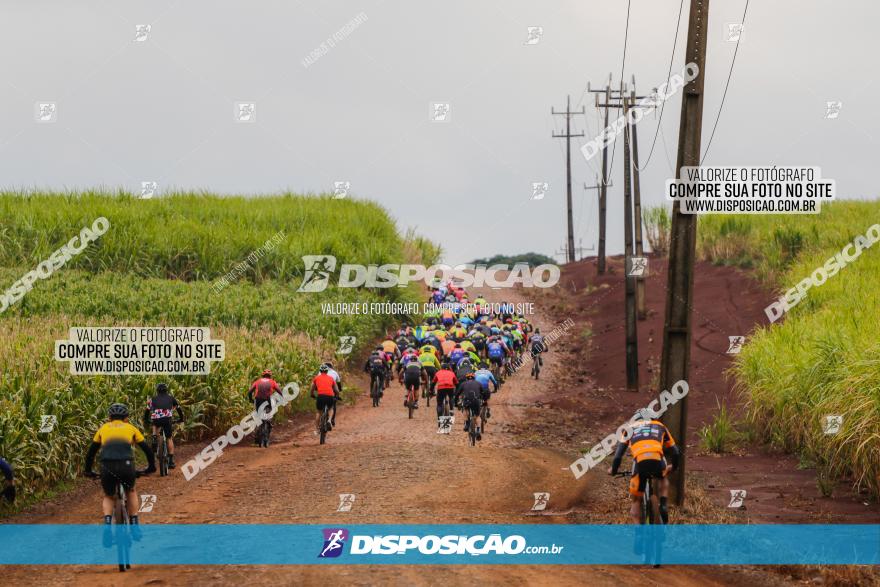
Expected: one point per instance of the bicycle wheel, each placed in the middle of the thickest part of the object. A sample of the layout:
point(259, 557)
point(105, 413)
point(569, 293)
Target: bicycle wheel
point(472, 429)
point(325, 422)
point(120, 520)
point(163, 455)
point(374, 392)
point(264, 437)
point(483, 412)
point(411, 402)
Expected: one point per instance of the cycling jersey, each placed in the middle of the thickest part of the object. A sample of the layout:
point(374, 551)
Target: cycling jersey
point(116, 439)
point(161, 406)
point(429, 360)
point(467, 345)
point(471, 393)
point(428, 348)
point(456, 355)
point(447, 346)
point(484, 376)
point(376, 363)
point(263, 388)
point(445, 379)
point(324, 384)
point(495, 349)
point(412, 370)
point(389, 346)
point(649, 440)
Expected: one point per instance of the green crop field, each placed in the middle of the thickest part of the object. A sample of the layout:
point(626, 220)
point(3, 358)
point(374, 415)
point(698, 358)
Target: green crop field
point(823, 359)
point(155, 266)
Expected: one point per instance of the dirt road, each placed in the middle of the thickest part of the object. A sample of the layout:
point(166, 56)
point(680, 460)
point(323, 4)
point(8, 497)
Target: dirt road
point(401, 471)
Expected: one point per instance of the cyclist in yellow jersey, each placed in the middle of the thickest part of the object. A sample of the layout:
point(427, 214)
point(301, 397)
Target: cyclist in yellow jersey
point(468, 346)
point(115, 440)
point(390, 347)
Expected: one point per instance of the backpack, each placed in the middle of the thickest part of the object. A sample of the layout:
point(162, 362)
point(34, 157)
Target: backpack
point(376, 364)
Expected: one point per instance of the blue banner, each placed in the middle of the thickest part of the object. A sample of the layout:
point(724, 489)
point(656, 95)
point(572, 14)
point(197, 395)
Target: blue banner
point(263, 544)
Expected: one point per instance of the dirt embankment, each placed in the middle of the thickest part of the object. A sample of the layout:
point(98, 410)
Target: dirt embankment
point(592, 399)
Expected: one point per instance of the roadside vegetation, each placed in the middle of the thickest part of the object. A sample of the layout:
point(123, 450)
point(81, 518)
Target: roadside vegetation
point(823, 358)
point(156, 266)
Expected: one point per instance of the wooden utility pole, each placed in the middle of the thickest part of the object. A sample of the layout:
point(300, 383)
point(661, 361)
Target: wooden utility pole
point(570, 254)
point(675, 361)
point(641, 310)
point(603, 193)
point(632, 336)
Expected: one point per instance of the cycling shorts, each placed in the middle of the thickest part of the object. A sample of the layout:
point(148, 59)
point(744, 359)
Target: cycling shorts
point(115, 472)
point(166, 425)
point(642, 471)
point(411, 381)
point(324, 400)
point(496, 360)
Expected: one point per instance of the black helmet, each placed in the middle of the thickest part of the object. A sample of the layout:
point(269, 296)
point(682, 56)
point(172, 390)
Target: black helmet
point(323, 369)
point(117, 411)
point(162, 388)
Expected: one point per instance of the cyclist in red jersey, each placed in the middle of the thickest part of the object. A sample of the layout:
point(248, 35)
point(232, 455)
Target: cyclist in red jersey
point(260, 392)
point(325, 392)
point(446, 382)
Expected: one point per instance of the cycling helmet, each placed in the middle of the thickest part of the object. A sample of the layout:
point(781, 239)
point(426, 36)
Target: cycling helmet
point(323, 369)
point(469, 376)
point(379, 348)
point(537, 331)
point(484, 365)
point(267, 373)
point(117, 411)
point(329, 364)
point(162, 388)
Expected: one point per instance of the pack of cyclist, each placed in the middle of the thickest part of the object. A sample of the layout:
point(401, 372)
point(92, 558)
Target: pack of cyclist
point(461, 352)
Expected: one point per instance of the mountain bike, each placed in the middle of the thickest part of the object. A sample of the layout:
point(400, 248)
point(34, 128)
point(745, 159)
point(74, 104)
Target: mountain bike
point(650, 506)
point(122, 528)
point(484, 416)
point(411, 399)
point(375, 391)
point(324, 426)
point(536, 366)
point(162, 450)
point(472, 427)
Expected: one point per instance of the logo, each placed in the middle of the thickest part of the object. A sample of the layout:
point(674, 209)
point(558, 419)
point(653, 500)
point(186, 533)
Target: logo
point(346, 500)
point(832, 109)
point(541, 501)
point(638, 267)
point(444, 424)
point(734, 31)
point(46, 111)
point(346, 345)
point(534, 34)
point(737, 497)
point(539, 189)
point(736, 344)
point(142, 32)
point(340, 189)
point(832, 424)
point(334, 541)
point(318, 270)
point(147, 503)
point(149, 189)
point(245, 112)
point(440, 112)
point(47, 423)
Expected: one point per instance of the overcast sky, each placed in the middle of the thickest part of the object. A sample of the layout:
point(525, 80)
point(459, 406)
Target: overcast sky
point(164, 109)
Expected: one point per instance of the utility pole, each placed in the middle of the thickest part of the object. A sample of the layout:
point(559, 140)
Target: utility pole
point(675, 361)
point(603, 193)
point(641, 310)
point(567, 136)
point(632, 338)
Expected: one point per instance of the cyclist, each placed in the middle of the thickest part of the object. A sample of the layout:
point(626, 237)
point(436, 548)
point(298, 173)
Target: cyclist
point(159, 414)
point(538, 346)
point(338, 379)
point(377, 368)
point(485, 377)
point(471, 393)
point(496, 351)
point(325, 392)
point(411, 377)
point(463, 368)
point(456, 354)
point(9, 490)
point(649, 444)
point(115, 439)
point(445, 382)
point(260, 392)
point(430, 364)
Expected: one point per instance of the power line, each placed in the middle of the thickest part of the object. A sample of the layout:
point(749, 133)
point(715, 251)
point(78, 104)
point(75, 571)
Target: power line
point(622, 67)
point(668, 77)
point(726, 85)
